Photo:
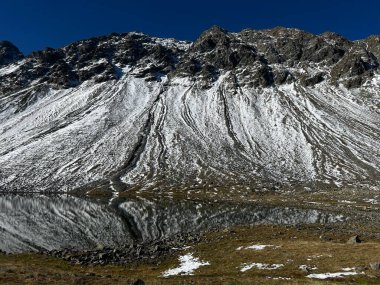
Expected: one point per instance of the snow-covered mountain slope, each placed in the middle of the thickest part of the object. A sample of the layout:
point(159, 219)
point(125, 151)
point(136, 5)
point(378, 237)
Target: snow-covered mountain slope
point(231, 108)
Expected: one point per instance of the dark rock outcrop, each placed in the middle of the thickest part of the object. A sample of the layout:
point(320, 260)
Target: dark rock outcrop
point(9, 53)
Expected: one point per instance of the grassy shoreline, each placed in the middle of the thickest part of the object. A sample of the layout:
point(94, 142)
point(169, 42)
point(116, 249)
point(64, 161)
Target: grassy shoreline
point(323, 247)
point(293, 246)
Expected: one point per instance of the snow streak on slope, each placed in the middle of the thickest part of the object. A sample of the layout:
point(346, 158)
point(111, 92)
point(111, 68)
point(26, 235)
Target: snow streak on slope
point(153, 132)
point(74, 135)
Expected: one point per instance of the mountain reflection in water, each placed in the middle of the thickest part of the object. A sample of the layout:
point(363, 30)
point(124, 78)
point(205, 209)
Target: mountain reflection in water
point(29, 223)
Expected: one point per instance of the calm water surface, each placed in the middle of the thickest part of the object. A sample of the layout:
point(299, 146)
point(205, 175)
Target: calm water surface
point(36, 222)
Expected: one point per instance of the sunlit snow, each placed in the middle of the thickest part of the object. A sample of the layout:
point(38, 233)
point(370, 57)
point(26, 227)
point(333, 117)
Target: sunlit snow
point(188, 264)
point(248, 266)
point(256, 247)
point(331, 275)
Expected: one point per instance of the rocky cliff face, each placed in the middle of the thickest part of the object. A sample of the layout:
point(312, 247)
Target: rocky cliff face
point(129, 110)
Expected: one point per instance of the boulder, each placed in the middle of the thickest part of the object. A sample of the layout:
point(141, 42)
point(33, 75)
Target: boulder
point(354, 240)
point(138, 282)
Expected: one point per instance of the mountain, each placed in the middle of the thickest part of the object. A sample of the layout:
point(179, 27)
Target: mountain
point(130, 110)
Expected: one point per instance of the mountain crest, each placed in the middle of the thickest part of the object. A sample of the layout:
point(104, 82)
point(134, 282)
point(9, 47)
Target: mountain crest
point(265, 58)
point(9, 53)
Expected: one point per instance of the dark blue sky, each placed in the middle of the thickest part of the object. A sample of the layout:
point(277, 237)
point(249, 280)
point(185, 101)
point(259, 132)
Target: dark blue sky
point(36, 24)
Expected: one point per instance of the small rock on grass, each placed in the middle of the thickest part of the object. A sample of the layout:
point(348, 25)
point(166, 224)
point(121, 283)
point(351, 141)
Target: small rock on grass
point(354, 240)
point(375, 265)
point(138, 282)
point(360, 269)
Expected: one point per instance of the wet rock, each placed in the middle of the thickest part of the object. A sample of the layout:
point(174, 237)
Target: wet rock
point(354, 240)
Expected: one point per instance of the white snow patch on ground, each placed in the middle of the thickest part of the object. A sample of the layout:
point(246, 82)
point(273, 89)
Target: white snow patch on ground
point(188, 263)
point(347, 202)
point(371, 201)
point(248, 266)
point(257, 247)
point(279, 278)
point(330, 275)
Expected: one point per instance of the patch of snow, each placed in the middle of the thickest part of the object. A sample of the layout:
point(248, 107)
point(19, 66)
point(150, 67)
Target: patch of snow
point(279, 278)
point(10, 68)
point(331, 275)
point(188, 263)
point(248, 266)
point(115, 195)
point(371, 201)
point(347, 202)
point(256, 247)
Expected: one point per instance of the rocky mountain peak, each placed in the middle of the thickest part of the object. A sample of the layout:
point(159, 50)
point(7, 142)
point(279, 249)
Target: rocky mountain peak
point(257, 58)
point(9, 53)
point(210, 39)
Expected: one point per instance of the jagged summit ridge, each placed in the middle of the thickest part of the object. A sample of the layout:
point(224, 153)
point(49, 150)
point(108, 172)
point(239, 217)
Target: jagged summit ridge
point(272, 54)
point(129, 110)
